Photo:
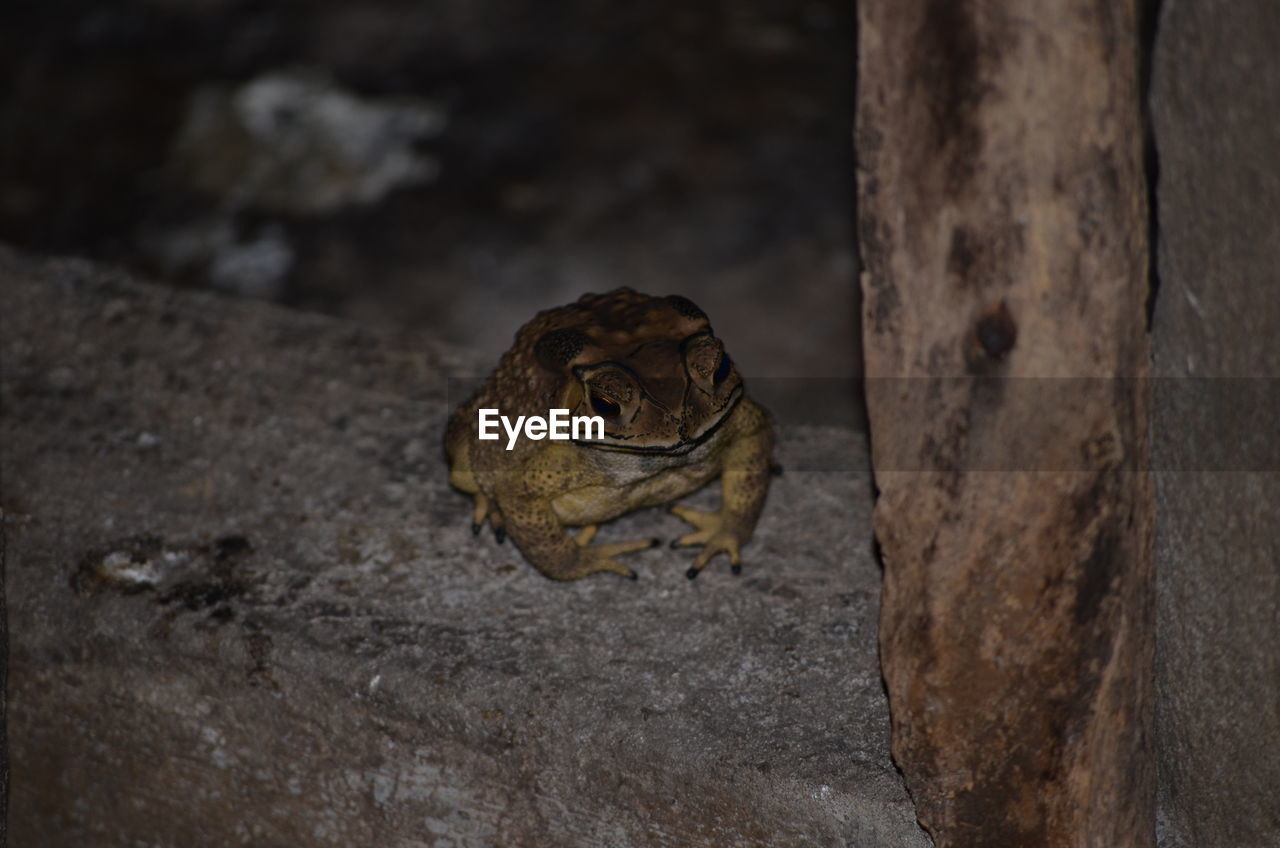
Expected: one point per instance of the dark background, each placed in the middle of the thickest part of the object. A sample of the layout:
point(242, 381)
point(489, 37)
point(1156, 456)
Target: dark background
point(699, 148)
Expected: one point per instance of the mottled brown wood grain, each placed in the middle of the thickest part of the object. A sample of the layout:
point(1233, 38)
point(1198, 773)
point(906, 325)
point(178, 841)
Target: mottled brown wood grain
point(1003, 227)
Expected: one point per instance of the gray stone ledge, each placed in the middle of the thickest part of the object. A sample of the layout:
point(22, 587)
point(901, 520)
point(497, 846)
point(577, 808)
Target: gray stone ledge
point(245, 608)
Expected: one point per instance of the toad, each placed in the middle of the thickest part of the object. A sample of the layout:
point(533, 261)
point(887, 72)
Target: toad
point(675, 418)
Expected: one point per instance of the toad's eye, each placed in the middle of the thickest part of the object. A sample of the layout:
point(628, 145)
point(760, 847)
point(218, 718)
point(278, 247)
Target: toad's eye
point(722, 370)
point(604, 406)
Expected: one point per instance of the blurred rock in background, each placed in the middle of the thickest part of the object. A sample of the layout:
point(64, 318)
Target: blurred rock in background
point(450, 166)
point(294, 142)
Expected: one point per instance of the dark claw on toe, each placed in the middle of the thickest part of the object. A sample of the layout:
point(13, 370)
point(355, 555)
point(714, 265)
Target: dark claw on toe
point(775, 470)
point(692, 573)
point(653, 543)
point(500, 535)
point(735, 569)
point(675, 543)
point(475, 529)
point(633, 576)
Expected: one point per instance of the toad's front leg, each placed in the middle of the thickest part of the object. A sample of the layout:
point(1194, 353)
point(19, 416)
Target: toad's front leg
point(533, 525)
point(744, 483)
point(539, 533)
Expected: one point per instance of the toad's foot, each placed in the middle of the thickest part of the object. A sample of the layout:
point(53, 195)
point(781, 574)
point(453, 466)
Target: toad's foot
point(484, 509)
point(713, 534)
point(479, 513)
point(594, 559)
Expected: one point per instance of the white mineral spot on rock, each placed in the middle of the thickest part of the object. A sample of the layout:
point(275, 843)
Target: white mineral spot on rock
point(120, 566)
point(174, 558)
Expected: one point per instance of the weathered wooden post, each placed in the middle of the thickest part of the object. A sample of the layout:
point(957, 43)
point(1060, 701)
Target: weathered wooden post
point(1003, 226)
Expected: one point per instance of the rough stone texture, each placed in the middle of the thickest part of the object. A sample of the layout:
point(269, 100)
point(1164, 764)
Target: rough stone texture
point(1216, 87)
point(1003, 226)
point(4, 691)
point(247, 610)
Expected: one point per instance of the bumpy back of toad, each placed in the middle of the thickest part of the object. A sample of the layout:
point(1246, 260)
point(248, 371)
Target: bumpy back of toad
point(651, 367)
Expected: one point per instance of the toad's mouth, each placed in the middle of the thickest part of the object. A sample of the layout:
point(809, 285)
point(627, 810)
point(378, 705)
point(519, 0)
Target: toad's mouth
point(615, 443)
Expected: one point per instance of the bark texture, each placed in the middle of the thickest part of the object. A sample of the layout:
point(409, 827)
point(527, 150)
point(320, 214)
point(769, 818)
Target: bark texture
point(1003, 229)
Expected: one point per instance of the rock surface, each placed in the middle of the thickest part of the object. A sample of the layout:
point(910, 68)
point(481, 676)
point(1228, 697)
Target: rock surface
point(1003, 228)
point(246, 609)
point(1216, 84)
